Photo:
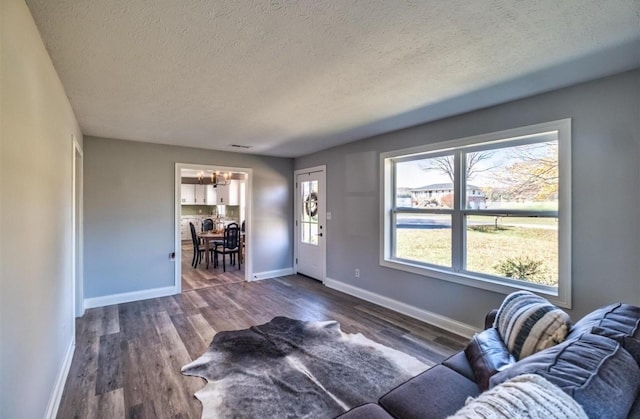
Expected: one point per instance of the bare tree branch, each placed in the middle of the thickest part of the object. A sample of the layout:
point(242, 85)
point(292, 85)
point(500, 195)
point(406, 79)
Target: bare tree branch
point(445, 165)
point(534, 175)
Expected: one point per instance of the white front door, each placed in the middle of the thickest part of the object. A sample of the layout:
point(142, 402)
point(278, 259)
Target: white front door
point(310, 222)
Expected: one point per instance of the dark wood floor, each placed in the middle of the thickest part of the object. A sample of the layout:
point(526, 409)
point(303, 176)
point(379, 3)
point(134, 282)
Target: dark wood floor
point(203, 277)
point(128, 356)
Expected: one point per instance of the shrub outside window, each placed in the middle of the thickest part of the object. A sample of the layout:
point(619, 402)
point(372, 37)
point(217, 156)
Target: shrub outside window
point(490, 211)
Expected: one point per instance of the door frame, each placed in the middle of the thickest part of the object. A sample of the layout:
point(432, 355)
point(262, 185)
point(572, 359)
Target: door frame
point(322, 209)
point(77, 232)
point(248, 260)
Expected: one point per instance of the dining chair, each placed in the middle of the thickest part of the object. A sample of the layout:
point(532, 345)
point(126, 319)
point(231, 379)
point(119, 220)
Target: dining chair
point(230, 246)
point(207, 224)
point(197, 250)
point(242, 242)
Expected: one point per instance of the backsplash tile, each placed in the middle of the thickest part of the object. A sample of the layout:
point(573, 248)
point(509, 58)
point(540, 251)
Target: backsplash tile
point(231, 211)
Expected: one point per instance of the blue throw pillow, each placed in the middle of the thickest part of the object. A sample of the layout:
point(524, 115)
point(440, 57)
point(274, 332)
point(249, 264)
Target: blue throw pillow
point(596, 371)
point(620, 322)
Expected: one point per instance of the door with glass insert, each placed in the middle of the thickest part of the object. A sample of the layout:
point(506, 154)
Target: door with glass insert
point(310, 219)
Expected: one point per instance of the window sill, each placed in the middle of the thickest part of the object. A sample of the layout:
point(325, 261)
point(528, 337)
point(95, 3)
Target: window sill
point(555, 296)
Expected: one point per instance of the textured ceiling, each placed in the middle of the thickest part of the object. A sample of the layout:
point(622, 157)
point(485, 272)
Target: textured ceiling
point(292, 77)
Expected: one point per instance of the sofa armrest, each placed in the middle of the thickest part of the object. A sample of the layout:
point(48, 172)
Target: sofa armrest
point(487, 355)
point(490, 318)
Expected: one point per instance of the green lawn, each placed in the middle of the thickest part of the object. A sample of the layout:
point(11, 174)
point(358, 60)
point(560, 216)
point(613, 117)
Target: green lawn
point(487, 247)
point(506, 221)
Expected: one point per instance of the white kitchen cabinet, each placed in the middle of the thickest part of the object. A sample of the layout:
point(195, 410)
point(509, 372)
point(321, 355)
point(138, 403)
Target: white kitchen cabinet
point(222, 195)
point(187, 194)
point(211, 195)
point(234, 192)
point(185, 231)
point(228, 194)
point(193, 194)
point(201, 195)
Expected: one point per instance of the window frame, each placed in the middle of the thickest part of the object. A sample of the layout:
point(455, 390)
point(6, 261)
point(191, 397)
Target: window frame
point(561, 295)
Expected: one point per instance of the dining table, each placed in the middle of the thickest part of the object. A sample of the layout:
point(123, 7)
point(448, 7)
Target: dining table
point(207, 237)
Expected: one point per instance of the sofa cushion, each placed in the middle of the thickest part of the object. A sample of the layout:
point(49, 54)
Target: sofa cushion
point(617, 321)
point(528, 323)
point(596, 371)
point(460, 364)
point(527, 395)
point(436, 393)
point(487, 355)
point(366, 411)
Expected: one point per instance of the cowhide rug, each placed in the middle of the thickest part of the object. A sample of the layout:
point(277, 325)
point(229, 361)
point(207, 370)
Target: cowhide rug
point(294, 369)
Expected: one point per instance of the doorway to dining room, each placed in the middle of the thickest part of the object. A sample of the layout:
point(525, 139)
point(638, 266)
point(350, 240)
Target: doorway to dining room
point(212, 200)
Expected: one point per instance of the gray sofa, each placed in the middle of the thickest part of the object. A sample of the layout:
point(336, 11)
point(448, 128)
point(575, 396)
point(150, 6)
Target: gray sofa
point(597, 365)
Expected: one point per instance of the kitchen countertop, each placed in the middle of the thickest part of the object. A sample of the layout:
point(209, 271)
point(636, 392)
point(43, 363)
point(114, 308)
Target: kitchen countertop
point(204, 217)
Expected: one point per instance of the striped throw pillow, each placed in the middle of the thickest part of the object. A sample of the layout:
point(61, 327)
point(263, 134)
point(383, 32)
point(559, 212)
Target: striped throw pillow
point(528, 324)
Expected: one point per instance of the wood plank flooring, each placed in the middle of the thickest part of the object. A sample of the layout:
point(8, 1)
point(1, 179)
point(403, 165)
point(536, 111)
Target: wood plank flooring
point(201, 277)
point(128, 356)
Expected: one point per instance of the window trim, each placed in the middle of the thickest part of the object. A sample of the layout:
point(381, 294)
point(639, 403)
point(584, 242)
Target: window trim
point(563, 295)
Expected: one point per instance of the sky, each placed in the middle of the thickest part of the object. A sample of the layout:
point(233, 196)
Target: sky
point(411, 175)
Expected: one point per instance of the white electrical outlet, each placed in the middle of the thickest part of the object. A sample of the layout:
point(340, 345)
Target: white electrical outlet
point(357, 273)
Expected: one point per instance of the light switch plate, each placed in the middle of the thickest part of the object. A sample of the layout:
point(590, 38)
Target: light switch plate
point(328, 215)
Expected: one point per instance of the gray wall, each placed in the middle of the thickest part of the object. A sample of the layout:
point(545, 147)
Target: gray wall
point(36, 307)
point(129, 212)
point(605, 195)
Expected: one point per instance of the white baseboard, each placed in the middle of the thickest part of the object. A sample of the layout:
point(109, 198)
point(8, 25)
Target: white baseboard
point(271, 274)
point(127, 297)
point(56, 393)
point(438, 320)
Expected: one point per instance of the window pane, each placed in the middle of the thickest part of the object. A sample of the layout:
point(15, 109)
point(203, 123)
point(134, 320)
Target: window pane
point(522, 177)
point(523, 248)
point(304, 230)
point(309, 201)
point(424, 238)
point(309, 212)
point(314, 233)
point(309, 233)
point(304, 193)
point(425, 183)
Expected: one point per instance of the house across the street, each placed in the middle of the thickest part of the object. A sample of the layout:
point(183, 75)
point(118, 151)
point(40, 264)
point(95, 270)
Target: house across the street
point(441, 195)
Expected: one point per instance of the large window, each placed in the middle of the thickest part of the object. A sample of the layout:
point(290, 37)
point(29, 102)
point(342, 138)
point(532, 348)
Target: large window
point(490, 211)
